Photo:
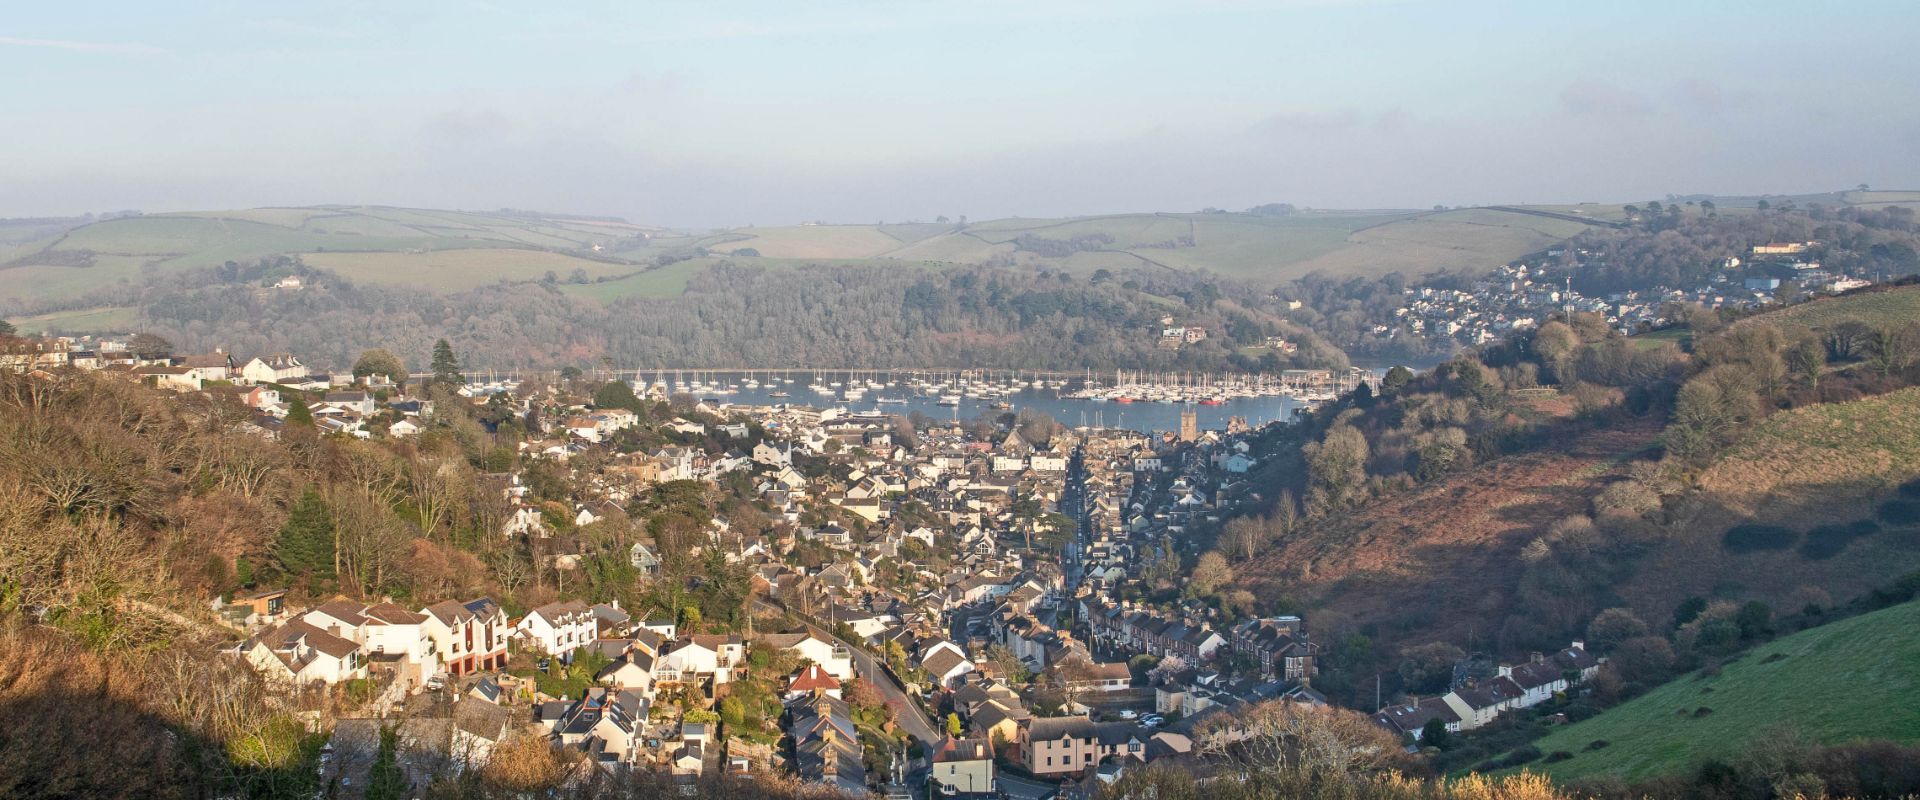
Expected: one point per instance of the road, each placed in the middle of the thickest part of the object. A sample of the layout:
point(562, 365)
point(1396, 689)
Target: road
point(912, 718)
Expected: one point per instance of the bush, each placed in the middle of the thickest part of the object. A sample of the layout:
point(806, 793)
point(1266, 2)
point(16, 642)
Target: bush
point(1558, 756)
point(1522, 755)
point(1827, 541)
point(1753, 538)
point(1598, 744)
point(1900, 512)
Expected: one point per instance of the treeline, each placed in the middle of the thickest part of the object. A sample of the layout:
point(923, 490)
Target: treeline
point(745, 316)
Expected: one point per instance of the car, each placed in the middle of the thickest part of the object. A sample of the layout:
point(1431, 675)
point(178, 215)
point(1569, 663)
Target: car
point(1128, 713)
point(436, 683)
point(1153, 720)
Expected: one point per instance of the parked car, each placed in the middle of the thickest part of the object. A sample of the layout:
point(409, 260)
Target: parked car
point(1128, 713)
point(1153, 720)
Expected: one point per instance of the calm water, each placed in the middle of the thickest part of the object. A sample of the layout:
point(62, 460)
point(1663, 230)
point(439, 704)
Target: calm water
point(1140, 416)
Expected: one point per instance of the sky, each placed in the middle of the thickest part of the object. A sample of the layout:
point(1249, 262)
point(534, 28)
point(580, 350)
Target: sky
point(706, 113)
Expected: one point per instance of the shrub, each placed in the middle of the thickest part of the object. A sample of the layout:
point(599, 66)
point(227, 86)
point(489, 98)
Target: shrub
point(1827, 541)
point(1598, 744)
point(1753, 537)
point(1558, 756)
point(1522, 755)
point(1900, 512)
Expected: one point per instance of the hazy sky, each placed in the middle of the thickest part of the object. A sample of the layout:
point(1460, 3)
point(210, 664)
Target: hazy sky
point(706, 112)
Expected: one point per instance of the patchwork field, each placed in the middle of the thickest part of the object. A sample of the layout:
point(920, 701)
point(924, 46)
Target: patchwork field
point(1853, 679)
point(56, 266)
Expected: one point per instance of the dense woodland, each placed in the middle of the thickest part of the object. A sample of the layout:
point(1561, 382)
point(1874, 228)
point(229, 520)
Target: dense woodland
point(736, 316)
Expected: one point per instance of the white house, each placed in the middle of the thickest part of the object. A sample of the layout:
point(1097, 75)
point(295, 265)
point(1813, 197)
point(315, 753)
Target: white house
point(832, 656)
point(298, 654)
point(557, 628)
point(700, 655)
point(276, 368)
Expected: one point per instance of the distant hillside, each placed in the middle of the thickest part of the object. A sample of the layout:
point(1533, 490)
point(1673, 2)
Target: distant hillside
point(457, 250)
point(1850, 680)
point(1259, 248)
point(398, 246)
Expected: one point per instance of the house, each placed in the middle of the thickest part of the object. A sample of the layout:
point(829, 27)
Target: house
point(643, 559)
point(826, 745)
point(1411, 719)
point(1111, 676)
point(276, 368)
point(403, 429)
point(1279, 645)
point(177, 379)
point(831, 655)
point(470, 637)
point(1060, 746)
point(357, 401)
point(962, 770)
point(1057, 746)
point(812, 679)
point(556, 629)
point(604, 724)
point(690, 757)
point(215, 366)
point(610, 620)
point(632, 670)
point(699, 657)
point(297, 653)
point(947, 665)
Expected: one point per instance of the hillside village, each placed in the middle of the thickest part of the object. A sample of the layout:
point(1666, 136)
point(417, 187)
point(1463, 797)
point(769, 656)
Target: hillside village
point(984, 593)
point(925, 607)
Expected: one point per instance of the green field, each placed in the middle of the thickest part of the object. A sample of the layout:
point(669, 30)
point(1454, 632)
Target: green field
point(1895, 306)
point(112, 319)
point(1858, 678)
point(454, 270)
point(667, 281)
point(1676, 335)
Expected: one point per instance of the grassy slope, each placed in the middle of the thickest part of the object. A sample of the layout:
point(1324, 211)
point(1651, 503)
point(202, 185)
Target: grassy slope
point(86, 320)
point(667, 281)
point(1858, 678)
point(454, 270)
point(1893, 306)
point(1812, 466)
